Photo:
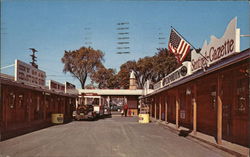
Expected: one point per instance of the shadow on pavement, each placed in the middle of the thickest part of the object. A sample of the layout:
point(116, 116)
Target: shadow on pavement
point(184, 133)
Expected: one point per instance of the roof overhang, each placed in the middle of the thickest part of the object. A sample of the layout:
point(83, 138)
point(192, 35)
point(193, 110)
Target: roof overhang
point(222, 64)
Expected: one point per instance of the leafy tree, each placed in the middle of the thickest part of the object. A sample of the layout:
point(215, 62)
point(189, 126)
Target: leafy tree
point(144, 70)
point(148, 68)
point(113, 82)
point(104, 77)
point(82, 62)
point(90, 86)
point(164, 63)
point(124, 74)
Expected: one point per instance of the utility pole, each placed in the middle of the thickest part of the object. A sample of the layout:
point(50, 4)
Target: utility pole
point(33, 57)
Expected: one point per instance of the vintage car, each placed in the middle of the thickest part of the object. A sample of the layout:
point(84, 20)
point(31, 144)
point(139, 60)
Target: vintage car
point(107, 111)
point(85, 112)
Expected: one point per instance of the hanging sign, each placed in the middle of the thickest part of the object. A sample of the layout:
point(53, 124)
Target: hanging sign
point(217, 49)
point(178, 74)
point(28, 74)
point(70, 88)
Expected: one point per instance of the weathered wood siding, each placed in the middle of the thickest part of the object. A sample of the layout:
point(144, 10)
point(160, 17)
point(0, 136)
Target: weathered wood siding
point(24, 109)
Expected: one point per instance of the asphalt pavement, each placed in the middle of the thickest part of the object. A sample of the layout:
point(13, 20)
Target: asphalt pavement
point(110, 137)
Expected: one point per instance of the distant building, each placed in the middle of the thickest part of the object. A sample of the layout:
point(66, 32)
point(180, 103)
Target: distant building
point(132, 81)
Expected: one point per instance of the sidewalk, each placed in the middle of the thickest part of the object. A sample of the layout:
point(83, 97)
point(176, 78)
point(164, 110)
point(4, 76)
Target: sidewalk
point(229, 147)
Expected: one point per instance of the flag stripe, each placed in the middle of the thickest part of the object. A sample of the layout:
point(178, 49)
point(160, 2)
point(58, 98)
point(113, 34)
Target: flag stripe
point(178, 46)
point(184, 56)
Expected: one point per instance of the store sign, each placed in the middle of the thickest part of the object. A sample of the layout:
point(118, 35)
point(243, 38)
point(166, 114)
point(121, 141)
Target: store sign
point(90, 94)
point(53, 85)
point(70, 88)
point(182, 114)
point(28, 74)
point(217, 49)
point(178, 74)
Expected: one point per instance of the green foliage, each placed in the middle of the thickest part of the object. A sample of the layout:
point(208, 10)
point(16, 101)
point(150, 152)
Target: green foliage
point(148, 68)
point(87, 61)
point(164, 63)
point(82, 62)
point(124, 73)
point(104, 77)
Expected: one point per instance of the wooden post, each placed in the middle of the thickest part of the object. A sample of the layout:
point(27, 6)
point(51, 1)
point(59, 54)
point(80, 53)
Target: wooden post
point(155, 110)
point(177, 109)
point(151, 109)
point(194, 109)
point(44, 106)
point(219, 111)
point(166, 109)
point(160, 108)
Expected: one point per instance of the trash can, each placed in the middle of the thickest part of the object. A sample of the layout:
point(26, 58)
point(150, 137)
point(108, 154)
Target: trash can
point(57, 118)
point(143, 118)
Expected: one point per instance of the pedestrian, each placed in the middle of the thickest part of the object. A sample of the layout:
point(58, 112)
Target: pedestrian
point(125, 109)
point(122, 112)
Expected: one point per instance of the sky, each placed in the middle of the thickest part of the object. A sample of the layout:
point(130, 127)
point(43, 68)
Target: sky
point(53, 26)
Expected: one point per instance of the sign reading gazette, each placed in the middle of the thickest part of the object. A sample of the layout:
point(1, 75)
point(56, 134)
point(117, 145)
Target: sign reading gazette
point(28, 74)
point(217, 49)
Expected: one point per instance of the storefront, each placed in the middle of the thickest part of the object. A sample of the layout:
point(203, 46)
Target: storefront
point(213, 96)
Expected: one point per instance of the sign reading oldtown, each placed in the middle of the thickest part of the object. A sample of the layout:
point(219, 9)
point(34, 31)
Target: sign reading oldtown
point(178, 74)
point(217, 49)
point(28, 74)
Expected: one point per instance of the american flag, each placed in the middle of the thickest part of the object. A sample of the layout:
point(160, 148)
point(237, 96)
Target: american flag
point(178, 46)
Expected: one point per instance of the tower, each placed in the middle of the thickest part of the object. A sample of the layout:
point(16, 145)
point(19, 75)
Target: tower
point(132, 81)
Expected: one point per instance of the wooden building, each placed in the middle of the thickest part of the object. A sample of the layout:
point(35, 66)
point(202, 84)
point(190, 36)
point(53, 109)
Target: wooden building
point(27, 108)
point(212, 98)
point(214, 101)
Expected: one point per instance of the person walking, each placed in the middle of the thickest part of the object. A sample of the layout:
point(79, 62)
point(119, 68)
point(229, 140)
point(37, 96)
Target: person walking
point(125, 109)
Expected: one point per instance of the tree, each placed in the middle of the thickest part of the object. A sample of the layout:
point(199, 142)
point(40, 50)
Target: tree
point(148, 68)
point(164, 63)
point(90, 86)
point(104, 77)
point(124, 73)
point(82, 62)
point(144, 70)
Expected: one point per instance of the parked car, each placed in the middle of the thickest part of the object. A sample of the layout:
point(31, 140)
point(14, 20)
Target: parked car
point(116, 108)
point(85, 112)
point(107, 111)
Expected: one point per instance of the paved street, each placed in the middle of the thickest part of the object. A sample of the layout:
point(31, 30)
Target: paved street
point(110, 137)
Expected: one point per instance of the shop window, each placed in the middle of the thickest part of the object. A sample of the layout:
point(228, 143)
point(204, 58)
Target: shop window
point(12, 98)
point(20, 100)
point(213, 97)
point(241, 95)
point(38, 104)
point(183, 100)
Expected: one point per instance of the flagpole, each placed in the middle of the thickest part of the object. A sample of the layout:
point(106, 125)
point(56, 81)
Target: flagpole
point(189, 43)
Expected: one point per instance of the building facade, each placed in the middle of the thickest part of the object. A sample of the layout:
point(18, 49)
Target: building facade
point(211, 94)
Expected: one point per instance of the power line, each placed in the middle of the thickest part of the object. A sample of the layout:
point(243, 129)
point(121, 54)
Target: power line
point(7, 66)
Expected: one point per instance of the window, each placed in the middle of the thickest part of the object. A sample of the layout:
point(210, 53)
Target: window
point(20, 100)
point(38, 104)
point(213, 97)
point(12, 100)
point(241, 95)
